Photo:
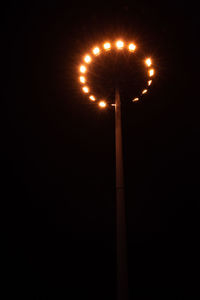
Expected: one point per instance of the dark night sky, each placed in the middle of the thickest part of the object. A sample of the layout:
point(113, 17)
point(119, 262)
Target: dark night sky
point(58, 186)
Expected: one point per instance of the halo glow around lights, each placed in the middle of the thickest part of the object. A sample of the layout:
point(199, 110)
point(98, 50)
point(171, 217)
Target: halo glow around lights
point(131, 47)
point(119, 44)
point(102, 104)
point(82, 79)
point(148, 62)
point(85, 89)
point(92, 98)
point(151, 72)
point(87, 59)
point(107, 46)
point(82, 69)
point(96, 51)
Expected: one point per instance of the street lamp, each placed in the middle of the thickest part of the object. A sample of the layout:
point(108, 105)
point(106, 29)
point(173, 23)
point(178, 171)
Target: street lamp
point(119, 45)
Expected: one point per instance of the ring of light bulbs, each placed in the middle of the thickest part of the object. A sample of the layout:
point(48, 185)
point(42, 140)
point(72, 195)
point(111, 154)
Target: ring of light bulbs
point(107, 46)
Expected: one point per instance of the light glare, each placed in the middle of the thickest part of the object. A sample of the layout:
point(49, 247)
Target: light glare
point(135, 99)
point(144, 91)
point(92, 98)
point(131, 47)
point(96, 50)
point(87, 59)
point(102, 104)
point(86, 89)
point(149, 82)
point(82, 69)
point(120, 44)
point(82, 79)
point(148, 62)
point(151, 72)
point(107, 46)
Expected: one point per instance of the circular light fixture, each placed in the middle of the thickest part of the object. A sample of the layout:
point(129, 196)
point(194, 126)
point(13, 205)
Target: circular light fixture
point(131, 47)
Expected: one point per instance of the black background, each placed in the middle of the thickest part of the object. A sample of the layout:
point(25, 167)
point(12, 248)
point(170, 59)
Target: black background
point(58, 174)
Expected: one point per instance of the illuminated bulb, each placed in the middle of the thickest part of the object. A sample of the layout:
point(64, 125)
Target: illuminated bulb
point(148, 62)
point(87, 59)
point(96, 50)
point(135, 99)
point(149, 82)
point(92, 98)
point(151, 72)
point(144, 92)
point(102, 104)
point(86, 89)
point(107, 46)
point(82, 69)
point(82, 79)
point(120, 44)
point(131, 47)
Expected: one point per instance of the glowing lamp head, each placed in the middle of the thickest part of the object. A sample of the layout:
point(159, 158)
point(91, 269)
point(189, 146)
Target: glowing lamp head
point(82, 69)
point(131, 47)
point(102, 104)
point(92, 98)
point(119, 44)
point(87, 59)
point(135, 99)
point(107, 46)
point(151, 72)
point(85, 89)
point(96, 50)
point(82, 79)
point(144, 91)
point(148, 62)
point(149, 82)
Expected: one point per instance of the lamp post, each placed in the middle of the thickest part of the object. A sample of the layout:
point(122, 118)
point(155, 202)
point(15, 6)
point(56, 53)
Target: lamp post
point(122, 272)
point(122, 267)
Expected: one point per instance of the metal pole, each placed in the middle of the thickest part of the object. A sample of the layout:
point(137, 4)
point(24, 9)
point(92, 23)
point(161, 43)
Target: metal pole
point(122, 272)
